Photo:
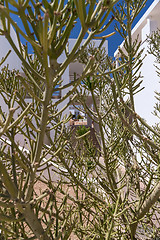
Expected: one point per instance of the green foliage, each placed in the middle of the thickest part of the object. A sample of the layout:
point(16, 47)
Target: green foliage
point(46, 27)
point(82, 130)
point(56, 182)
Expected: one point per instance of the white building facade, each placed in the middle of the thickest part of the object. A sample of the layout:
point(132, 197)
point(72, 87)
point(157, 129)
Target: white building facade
point(74, 69)
point(145, 99)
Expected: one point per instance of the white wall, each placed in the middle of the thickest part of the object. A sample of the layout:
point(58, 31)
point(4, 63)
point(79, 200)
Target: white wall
point(12, 59)
point(145, 100)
